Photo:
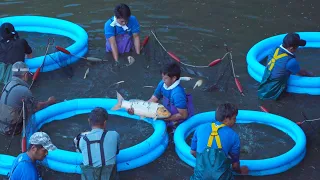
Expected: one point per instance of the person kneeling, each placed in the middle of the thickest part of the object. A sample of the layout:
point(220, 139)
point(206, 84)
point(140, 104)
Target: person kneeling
point(216, 147)
point(99, 148)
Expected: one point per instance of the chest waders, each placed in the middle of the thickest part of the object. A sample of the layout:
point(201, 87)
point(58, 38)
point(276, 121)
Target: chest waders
point(271, 88)
point(213, 164)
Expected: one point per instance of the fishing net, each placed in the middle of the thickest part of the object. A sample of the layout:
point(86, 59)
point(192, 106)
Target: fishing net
point(217, 78)
point(65, 66)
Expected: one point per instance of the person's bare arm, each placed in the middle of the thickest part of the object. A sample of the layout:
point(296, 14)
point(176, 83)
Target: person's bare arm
point(182, 114)
point(153, 99)
point(136, 41)
point(42, 105)
point(240, 170)
point(114, 47)
point(193, 153)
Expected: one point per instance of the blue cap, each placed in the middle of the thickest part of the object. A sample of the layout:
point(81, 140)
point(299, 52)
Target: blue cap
point(293, 40)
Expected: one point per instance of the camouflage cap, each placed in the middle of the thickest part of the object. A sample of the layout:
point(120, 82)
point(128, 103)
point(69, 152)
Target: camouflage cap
point(19, 68)
point(42, 138)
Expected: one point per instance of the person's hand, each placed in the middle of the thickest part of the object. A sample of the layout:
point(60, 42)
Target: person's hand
point(130, 111)
point(52, 100)
point(244, 170)
point(306, 73)
point(193, 153)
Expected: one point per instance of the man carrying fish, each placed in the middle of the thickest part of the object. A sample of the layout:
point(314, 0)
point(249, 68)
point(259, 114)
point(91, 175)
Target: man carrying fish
point(99, 148)
point(216, 147)
point(122, 32)
point(174, 97)
point(12, 49)
point(14, 94)
point(281, 64)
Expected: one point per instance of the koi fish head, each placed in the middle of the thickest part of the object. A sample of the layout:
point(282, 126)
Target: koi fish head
point(162, 112)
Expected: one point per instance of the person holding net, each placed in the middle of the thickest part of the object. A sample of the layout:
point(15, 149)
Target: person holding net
point(14, 94)
point(122, 32)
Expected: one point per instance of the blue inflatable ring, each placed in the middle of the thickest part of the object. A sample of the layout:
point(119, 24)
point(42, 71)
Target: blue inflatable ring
point(69, 162)
point(296, 84)
point(260, 167)
point(49, 25)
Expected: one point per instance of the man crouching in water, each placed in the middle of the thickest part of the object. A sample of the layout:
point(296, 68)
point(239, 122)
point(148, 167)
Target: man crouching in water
point(14, 94)
point(99, 148)
point(174, 97)
point(216, 147)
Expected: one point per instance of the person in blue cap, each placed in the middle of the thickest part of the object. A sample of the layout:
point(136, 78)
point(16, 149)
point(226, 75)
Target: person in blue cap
point(122, 32)
point(281, 64)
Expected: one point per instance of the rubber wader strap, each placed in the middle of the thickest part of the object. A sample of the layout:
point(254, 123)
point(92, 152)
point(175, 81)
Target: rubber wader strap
point(275, 57)
point(101, 148)
point(214, 135)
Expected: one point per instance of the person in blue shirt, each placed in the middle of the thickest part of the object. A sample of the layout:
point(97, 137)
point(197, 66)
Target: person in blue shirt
point(281, 64)
point(173, 94)
point(122, 32)
point(219, 142)
point(24, 166)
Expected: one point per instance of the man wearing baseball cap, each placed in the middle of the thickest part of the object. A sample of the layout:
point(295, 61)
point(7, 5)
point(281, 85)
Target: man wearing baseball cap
point(14, 94)
point(281, 64)
point(12, 49)
point(24, 166)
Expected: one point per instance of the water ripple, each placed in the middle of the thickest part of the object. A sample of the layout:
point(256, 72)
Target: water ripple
point(65, 15)
point(71, 5)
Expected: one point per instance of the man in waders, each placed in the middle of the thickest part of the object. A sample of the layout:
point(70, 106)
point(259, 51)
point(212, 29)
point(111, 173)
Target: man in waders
point(99, 148)
point(216, 147)
point(281, 64)
point(24, 166)
point(14, 94)
point(174, 96)
point(12, 49)
point(122, 32)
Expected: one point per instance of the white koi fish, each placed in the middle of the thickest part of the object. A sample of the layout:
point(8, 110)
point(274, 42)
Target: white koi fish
point(143, 108)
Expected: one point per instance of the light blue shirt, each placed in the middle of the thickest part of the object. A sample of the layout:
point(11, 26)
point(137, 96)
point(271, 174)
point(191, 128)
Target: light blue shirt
point(111, 146)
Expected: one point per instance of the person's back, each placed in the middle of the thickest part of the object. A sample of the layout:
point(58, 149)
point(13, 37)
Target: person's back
point(216, 147)
point(110, 144)
point(12, 50)
point(99, 149)
point(230, 140)
point(281, 64)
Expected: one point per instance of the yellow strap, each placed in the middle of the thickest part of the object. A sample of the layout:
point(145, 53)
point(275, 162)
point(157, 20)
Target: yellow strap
point(214, 134)
point(275, 57)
